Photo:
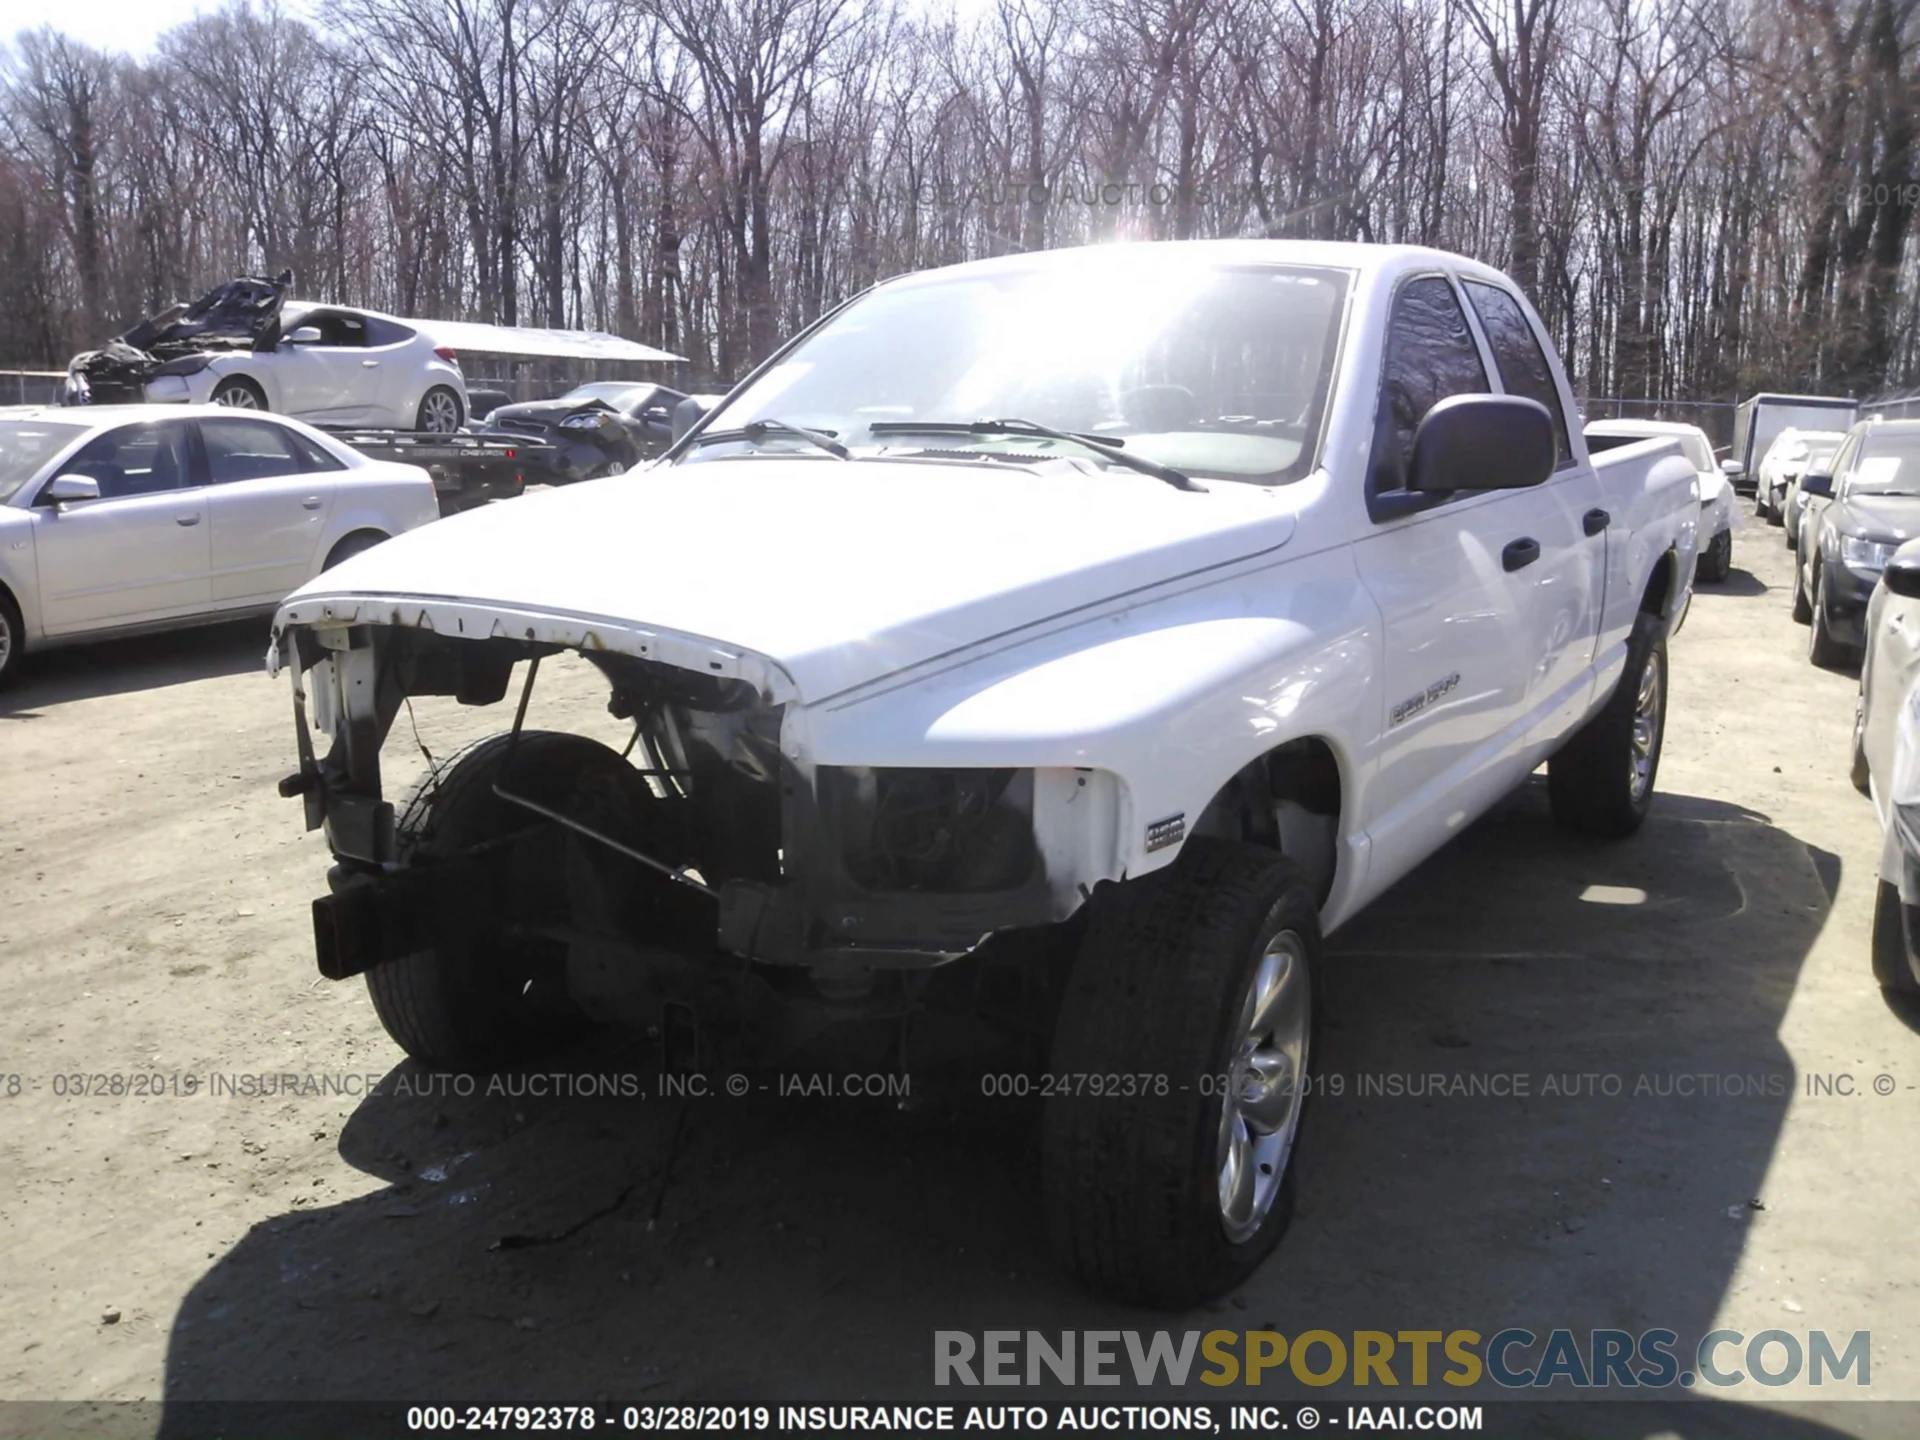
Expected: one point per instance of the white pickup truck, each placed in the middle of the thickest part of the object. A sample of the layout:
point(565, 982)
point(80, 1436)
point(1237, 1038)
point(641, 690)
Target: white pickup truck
point(1068, 641)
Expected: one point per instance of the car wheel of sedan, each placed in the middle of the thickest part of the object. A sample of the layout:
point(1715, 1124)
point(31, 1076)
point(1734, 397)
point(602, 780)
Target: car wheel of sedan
point(1893, 963)
point(1716, 562)
point(1822, 648)
point(1183, 1048)
point(12, 638)
point(241, 393)
point(439, 412)
point(486, 998)
point(1793, 535)
point(1802, 610)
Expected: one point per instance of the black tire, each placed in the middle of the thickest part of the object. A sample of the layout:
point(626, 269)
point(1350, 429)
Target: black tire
point(488, 1000)
point(1132, 1184)
point(1793, 534)
point(356, 543)
point(1802, 609)
point(1716, 561)
point(440, 411)
point(13, 639)
point(240, 393)
point(1893, 962)
point(1822, 648)
point(1859, 771)
point(1593, 780)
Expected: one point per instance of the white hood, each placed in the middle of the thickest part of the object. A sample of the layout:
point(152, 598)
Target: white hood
point(839, 572)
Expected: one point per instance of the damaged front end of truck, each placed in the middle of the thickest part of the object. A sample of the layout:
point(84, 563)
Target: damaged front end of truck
point(709, 881)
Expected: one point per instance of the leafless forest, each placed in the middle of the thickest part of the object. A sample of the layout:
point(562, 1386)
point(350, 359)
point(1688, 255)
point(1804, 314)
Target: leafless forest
point(1703, 196)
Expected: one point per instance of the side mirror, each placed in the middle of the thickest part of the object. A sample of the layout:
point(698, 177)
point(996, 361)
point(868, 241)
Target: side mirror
point(1482, 442)
point(690, 411)
point(305, 335)
point(1903, 571)
point(65, 488)
point(1821, 485)
point(1732, 467)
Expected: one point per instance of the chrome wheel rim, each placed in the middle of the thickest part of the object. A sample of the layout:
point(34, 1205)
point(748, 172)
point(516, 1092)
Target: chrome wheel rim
point(6, 642)
point(1646, 727)
point(1261, 1100)
point(238, 397)
point(442, 413)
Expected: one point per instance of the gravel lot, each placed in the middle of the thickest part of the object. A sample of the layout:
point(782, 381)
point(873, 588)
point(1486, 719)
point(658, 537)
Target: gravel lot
point(153, 922)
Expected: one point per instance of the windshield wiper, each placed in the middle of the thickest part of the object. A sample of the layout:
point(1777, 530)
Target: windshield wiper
point(757, 430)
point(1109, 446)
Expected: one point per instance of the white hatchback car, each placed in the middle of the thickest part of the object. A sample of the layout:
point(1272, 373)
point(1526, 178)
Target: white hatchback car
point(333, 367)
point(125, 518)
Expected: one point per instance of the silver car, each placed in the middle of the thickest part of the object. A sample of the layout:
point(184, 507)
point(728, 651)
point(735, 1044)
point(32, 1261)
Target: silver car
point(1886, 763)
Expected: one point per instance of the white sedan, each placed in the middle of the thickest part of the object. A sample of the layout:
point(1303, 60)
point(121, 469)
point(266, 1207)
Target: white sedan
point(333, 367)
point(117, 519)
point(1718, 514)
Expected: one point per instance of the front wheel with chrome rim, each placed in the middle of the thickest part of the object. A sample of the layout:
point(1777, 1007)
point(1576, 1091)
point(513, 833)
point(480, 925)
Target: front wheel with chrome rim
point(11, 638)
point(1600, 782)
point(1180, 1075)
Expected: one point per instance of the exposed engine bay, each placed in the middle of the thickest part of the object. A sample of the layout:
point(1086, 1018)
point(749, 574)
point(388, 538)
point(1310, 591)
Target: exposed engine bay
point(243, 314)
point(705, 870)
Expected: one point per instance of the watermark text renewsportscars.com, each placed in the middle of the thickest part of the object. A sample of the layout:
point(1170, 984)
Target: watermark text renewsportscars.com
point(1512, 1358)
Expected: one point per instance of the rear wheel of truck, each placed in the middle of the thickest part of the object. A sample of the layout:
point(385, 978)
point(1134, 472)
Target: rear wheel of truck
point(1893, 965)
point(495, 998)
point(1600, 782)
point(1193, 998)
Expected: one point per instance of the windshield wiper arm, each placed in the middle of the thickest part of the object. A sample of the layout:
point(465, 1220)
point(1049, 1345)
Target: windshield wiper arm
point(1109, 446)
point(758, 430)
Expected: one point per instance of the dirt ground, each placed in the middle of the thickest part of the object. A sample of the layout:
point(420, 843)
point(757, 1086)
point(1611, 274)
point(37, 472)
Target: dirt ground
point(410, 1246)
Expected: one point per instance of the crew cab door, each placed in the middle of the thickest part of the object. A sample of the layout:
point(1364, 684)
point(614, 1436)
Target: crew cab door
point(1458, 648)
point(269, 490)
point(1561, 591)
point(139, 552)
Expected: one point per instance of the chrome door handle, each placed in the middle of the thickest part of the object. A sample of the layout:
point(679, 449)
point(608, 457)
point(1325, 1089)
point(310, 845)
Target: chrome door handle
point(369, 364)
point(312, 502)
point(186, 519)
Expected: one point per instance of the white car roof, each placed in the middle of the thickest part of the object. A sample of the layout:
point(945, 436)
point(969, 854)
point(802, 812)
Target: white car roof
point(1643, 427)
point(101, 417)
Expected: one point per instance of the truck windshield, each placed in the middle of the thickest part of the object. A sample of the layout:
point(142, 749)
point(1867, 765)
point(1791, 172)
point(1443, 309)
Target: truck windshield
point(1214, 370)
point(1888, 465)
point(26, 445)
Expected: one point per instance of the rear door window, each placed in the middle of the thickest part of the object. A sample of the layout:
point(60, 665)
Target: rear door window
point(251, 450)
point(1524, 367)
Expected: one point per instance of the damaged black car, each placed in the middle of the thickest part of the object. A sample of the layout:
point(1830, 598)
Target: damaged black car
point(603, 428)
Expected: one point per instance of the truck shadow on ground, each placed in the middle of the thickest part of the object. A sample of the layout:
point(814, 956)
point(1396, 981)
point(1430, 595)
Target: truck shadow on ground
point(145, 662)
point(1550, 1087)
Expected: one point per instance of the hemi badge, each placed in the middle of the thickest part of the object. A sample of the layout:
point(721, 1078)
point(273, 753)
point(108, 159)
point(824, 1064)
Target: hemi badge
point(1170, 831)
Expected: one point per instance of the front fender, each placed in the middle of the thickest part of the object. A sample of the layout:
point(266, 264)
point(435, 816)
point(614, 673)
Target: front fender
point(1173, 699)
